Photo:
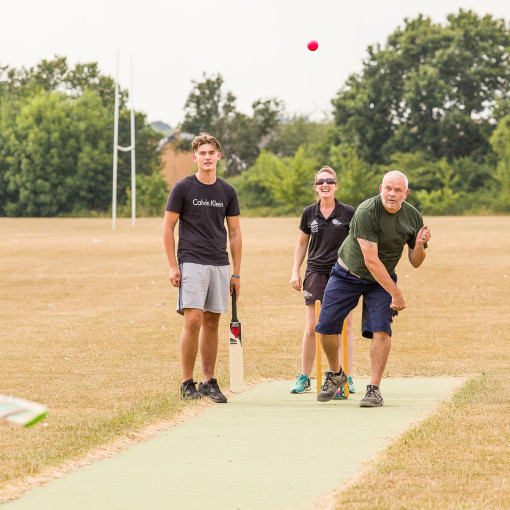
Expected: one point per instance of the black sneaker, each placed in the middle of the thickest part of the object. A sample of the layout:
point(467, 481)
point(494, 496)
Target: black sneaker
point(373, 398)
point(189, 390)
point(211, 389)
point(331, 384)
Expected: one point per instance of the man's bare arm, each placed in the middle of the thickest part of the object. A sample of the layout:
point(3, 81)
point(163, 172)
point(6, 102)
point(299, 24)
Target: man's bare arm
point(417, 254)
point(236, 247)
point(169, 223)
point(380, 274)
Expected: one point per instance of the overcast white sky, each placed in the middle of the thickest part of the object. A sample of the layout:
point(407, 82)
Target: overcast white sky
point(259, 47)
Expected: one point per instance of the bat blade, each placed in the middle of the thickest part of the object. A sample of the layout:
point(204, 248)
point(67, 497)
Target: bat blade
point(21, 412)
point(235, 351)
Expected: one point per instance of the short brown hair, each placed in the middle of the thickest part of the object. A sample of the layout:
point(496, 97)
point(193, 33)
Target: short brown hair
point(204, 139)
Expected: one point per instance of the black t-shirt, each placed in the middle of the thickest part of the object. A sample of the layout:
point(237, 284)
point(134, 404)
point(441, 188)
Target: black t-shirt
point(202, 209)
point(326, 235)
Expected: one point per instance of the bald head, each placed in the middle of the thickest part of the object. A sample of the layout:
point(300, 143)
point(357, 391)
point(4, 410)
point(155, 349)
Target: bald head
point(394, 190)
point(395, 175)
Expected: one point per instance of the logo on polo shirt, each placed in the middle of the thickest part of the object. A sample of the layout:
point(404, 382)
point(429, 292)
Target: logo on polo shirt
point(314, 226)
point(336, 222)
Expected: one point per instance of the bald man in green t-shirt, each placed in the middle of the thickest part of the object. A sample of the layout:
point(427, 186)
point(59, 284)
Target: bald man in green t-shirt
point(379, 230)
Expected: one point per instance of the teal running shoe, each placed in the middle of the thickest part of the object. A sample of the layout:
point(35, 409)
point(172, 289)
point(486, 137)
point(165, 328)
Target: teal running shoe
point(351, 385)
point(302, 384)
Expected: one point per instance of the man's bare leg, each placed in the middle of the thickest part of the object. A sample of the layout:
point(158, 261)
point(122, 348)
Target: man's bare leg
point(379, 352)
point(209, 344)
point(189, 341)
point(331, 346)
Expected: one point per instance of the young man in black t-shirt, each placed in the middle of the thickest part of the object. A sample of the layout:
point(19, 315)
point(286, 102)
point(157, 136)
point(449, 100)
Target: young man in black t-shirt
point(201, 202)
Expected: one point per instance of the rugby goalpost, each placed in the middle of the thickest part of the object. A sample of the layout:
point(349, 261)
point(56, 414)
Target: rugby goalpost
point(117, 147)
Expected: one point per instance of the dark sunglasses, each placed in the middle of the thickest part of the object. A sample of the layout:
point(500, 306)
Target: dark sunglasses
point(318, 182)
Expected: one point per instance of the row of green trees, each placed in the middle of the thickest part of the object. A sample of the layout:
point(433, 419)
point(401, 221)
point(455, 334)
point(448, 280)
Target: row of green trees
point(56, 141)
point(433, 101)
point(277, 185)
point(210, 109)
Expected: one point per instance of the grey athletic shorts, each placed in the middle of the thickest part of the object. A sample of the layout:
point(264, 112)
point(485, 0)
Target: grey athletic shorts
point(206, 288)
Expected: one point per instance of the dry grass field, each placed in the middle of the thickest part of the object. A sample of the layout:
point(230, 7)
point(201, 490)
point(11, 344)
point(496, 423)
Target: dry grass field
point(89, 328)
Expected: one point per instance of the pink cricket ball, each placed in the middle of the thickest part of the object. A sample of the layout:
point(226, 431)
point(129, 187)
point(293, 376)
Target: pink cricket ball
point(313, 45)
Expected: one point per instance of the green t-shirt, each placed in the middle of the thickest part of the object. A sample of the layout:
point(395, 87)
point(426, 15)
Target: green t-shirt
point(391, 232)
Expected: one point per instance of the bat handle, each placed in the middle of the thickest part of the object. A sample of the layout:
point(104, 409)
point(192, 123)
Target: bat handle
point(234, 306)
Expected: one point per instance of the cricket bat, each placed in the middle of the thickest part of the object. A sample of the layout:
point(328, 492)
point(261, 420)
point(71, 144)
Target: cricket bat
point(236, 351)
point(21, 412)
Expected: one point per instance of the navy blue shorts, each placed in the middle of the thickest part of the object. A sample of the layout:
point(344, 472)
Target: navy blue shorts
point(342, 295)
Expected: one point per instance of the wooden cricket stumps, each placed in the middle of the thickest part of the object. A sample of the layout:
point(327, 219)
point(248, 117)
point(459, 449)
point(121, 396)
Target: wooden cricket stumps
point(318, 349)
point(345, 357)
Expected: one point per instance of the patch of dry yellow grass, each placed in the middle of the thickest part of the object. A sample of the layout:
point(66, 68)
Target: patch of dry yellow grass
point(89, 327)
point(457, 323)
point(457, 458)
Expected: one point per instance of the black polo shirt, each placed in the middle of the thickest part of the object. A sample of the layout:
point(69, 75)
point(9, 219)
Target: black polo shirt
point(326, 235)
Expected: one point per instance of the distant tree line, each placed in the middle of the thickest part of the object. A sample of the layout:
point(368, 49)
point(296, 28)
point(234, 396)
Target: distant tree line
point(433, 101)
point(56, 141)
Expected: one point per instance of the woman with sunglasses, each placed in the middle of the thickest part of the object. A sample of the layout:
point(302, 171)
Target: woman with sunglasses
point(323, 228)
